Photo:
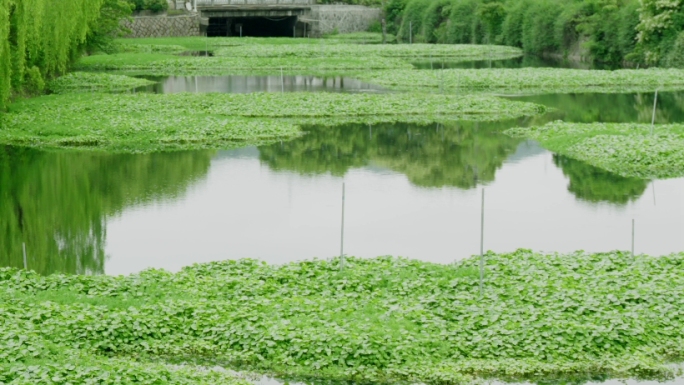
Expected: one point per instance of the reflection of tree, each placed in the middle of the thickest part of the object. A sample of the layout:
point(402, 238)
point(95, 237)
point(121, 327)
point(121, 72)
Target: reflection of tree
point(57, 202)
point(595, 185)
point(618, 108)
point(432, 156)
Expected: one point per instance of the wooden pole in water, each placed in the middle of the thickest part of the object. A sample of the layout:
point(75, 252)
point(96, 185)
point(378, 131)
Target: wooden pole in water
point(23, 246)
point(482, 244)
point(655, 103)
point(633, 238)
point(342, 231)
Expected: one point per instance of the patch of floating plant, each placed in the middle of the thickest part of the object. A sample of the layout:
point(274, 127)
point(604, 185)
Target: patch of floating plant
point(629, 150)
point(162, 64)
point(468, 51)
point(529, 80)
point(95, 82)
point(381, 319)
point(360, 38)
point(148, 122)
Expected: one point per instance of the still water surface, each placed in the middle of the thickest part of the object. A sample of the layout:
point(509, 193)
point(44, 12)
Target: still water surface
point(245, 84)
point(411, 190)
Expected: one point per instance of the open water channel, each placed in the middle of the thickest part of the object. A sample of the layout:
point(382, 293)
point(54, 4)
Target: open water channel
point(411, 191)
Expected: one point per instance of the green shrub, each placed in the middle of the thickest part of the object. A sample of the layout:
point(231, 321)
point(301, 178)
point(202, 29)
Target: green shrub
point(462, 28)
point(512, 26)
point(675, 56)
point(34, 80)
point(412, 20)
point(156, 5)
point(433, 17)
point(538, 27)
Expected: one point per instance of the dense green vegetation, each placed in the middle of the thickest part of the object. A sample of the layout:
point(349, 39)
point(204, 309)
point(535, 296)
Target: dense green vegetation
point(95, 82)
point(134, 122)
point(612, 31)
point(630, 150)
point(377, 319)
point(58, 202)
point(529, 80)
point(165, 64)
point(160, 56)
point(149, 5)
point(38, 41)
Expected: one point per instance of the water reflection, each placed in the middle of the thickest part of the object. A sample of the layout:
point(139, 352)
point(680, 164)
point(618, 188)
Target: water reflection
point(58, 202)
point(409, 192)
point(616, 108)
point(459, 155)
point(593, 184)
point(518, 62)
point(245, 84)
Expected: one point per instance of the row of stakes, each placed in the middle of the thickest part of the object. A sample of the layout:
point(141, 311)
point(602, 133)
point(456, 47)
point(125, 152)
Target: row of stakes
point(482, 219)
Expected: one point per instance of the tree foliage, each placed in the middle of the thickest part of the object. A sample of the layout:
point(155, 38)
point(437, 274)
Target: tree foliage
point(611, 31)
point(40, 38)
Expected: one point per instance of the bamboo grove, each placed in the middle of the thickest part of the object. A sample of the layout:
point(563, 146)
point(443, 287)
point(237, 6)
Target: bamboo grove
point(38, 40)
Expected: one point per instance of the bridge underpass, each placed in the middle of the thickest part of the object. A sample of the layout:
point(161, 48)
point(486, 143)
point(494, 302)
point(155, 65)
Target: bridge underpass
point(261, 18)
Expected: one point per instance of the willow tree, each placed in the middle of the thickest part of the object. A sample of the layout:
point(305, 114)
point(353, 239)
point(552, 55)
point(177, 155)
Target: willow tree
point(38, 40)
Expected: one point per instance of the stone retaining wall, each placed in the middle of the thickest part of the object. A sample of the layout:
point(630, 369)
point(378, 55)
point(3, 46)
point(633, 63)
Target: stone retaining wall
point(322, 19)
point(325, 19)
point(163, 26)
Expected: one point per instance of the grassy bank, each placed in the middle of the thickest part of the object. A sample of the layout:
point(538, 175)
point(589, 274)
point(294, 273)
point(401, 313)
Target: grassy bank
point(628, 150)
point(382, 319)
point(150, 122)
point(529, 80)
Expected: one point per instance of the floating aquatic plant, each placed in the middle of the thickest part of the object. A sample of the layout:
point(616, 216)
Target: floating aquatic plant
point(149, 122)
point(381, 319)
point(95, 82)
point(629, 150)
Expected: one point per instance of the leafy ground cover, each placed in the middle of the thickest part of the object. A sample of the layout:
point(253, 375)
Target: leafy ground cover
point(148, 122)
point(382, 319)
point(628, 150)
point(530, 80)
point(166, 64)
point(470, 51)
point(360, 37)
point(95, 82)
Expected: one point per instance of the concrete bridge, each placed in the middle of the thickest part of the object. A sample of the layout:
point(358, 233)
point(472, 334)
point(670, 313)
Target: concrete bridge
point(254, 17)
point(298, 18)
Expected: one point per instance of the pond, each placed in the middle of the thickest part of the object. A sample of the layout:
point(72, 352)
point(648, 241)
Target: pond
point(250, 83)
point(411, 190)
point(519, 62)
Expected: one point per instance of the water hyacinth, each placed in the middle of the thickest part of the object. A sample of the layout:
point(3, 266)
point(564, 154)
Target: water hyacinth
point(150, 122)
point(529, 80)
point(381, 319)
point(467, 51)
point(95, 82)
point(164, 64)
point(629, 150)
